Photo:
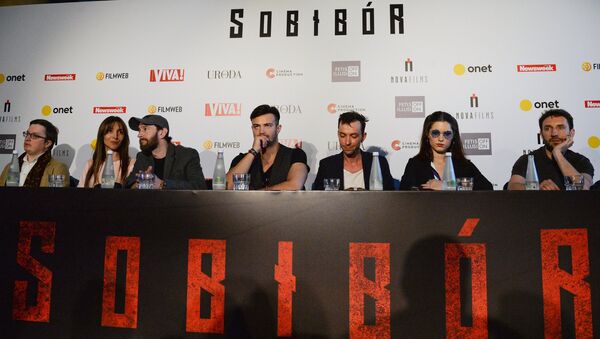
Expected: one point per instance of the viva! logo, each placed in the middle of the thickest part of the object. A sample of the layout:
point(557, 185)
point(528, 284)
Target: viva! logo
point(222, 109)
point(167, 75)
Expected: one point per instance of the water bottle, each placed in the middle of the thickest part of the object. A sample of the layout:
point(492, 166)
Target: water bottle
point(219, 181)
point(375, 179)
point(448, 179)
point(14, 173)
point(108, 174)
point(532, 183)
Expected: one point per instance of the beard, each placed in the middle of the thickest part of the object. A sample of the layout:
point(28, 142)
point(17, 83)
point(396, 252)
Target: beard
point(549, 146)
point(150, 145)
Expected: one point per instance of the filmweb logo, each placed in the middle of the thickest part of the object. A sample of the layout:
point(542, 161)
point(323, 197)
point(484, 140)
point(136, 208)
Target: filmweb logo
point(460, 69)
point(60, 77)
point(209, 144)
point(111, 76)
point(167, 75)
point(526, 104)
point(109, 110)
point(47, 110)
point(222, 109)
point(588, 66)
point(164, 109)
point(11, 78)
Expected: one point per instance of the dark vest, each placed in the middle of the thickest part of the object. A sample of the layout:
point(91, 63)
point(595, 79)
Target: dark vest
point(279, 169)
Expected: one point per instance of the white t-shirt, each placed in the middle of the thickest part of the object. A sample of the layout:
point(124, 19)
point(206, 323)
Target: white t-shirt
point(26, 168)
point(116, 165)
point(354, 180)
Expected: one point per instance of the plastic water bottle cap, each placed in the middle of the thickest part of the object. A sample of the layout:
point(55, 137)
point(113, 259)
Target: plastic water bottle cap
point(15, 151)
point(375, 154)
point(109, 152)
point(448, 154)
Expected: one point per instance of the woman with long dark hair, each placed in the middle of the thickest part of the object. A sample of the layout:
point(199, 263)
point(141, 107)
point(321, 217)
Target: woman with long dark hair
point(112, 135)
point(424, 171)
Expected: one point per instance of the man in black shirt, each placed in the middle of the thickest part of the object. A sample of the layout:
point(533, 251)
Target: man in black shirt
point(554, 160)
point(174, 167)
point(272, 166)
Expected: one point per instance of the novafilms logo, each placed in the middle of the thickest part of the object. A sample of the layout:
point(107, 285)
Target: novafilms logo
point(110, 110)
point(60, 77)
point(222, 109)
point(592, 104)
point(167, 75)
point(537, 68)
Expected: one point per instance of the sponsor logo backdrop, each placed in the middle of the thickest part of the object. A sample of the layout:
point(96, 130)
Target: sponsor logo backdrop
point(385, 59)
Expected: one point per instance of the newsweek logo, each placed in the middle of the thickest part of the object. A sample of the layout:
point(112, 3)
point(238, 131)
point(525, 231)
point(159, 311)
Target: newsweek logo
point(111, 76)
point(409, 76)
point(210, 144)
point(222, 109)
point(291, 143)
point(289, 109)
point(410, 107)
point(592, 104)
point(477, 143)
point(224, 74)
point(473, 112)
point(164, 109)
point(167, 75)
point(6, 117)
point(398, 145)
point(273, 73)
point(342, 108)
point(536, 68)
point(60, 77)
point(109, 110)
point(7, 143)
point(345, 71)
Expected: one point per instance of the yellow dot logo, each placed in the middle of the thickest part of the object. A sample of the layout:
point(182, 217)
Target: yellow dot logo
point(586, 66)
point(100, 76)
point(151, 109)
point(93, 144)
point(459, 69)
point(207, 145)
point(525, 105)
point(46, 110)
point(594, 142)
point(2, 78)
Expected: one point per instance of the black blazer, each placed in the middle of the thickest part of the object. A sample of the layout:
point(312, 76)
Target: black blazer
point(418, 172)
point(182, 168)
point(333, 167)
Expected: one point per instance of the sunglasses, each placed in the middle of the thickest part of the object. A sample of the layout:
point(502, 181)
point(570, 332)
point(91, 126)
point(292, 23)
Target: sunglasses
point(436, 134)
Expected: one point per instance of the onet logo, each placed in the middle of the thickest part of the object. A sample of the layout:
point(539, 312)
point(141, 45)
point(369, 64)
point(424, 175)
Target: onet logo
point(526, 104)
point(11, 78)
point(594, 141)
point(460, 69)
point(47, 110)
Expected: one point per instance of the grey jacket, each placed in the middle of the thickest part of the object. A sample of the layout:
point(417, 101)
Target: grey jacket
point(182, 168)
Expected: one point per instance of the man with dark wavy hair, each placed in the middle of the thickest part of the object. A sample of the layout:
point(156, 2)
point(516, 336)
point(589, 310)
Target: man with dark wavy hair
point(554, 160)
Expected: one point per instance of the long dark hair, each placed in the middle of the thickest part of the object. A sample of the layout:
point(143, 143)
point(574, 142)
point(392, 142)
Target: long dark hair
point(100, 152)
point(456, 147)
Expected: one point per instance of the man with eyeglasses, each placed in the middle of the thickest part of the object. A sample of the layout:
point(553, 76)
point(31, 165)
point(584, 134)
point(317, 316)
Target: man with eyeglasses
point(554, 160)
point(36, 164)
point(352, 166)
point(271, 165)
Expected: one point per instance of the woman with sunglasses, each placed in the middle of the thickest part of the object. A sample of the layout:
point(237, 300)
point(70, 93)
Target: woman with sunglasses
point(424, 171)
point(112, 135)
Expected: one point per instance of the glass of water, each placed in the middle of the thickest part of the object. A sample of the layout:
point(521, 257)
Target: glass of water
point(145, 181)
point(241, 181)
point(331, 184)
point(574, 182)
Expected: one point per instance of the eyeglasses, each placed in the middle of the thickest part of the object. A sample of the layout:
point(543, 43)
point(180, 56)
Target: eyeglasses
point(436, 134)
point(32, 136)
